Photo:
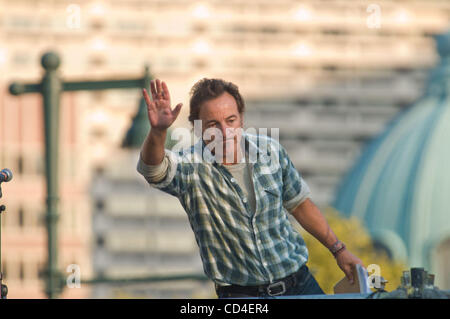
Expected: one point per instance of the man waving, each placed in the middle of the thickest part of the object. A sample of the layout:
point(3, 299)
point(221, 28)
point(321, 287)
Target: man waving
point(237, 203)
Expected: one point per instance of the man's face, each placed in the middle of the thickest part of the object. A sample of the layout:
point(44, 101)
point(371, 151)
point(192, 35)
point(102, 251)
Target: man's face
point(222, 113)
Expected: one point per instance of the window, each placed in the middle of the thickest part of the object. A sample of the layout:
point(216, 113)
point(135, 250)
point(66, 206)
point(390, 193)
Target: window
point(329, 67)
point(100, 204)
point(200, 64)
point(334, 32)
point(21, 217)
point(99, 170)
point(21, 271)
point(98, 132)
point(269, 30)
point(20, 164)
point(329, 101)
point(97, 25)
point(97, 61)
point(303, 101)
point(100, 241)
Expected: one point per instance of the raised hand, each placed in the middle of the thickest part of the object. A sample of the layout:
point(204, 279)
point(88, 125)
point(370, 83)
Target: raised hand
point(160, 114)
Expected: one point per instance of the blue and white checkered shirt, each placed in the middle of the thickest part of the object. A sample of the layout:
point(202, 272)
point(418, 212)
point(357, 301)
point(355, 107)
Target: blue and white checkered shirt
point(236, 245)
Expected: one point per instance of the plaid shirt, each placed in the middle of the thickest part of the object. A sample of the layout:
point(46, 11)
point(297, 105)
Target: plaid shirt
point(237, 246)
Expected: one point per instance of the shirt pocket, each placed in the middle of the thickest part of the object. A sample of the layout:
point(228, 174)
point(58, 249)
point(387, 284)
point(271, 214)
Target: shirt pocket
point(275, 191)
point(272, 197)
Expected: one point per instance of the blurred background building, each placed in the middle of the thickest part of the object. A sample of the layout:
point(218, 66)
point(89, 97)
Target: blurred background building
point(329, 74)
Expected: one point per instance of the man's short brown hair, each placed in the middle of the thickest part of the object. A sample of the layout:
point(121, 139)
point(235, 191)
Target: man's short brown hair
point(208, 89)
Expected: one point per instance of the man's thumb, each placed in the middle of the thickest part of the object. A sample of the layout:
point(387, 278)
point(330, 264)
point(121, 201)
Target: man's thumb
point(177, 109)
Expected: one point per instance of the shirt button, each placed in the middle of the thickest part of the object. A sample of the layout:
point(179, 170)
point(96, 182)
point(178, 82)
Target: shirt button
point(244, 200)
point(233, 180)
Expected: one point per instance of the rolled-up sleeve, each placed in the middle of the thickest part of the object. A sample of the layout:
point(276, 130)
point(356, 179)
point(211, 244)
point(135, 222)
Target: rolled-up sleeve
point(153, 173)
point(304, 194)
point(161, 176)
point(295, 189)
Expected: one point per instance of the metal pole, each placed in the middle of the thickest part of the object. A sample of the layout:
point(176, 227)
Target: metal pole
point(51, 89)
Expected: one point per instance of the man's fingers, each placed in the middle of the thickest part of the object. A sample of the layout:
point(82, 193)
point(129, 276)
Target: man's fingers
point(349, 274)
point(166, 91)
point(149, 102)
point(350, 279)
point(153, 89)
point(177, 110)
point(158, 88)
point(151, 108)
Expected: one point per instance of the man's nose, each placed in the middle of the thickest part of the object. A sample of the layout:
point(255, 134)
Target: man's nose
point(225, 131)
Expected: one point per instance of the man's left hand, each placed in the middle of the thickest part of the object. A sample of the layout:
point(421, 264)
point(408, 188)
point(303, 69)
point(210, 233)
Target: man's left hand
point(346, 261)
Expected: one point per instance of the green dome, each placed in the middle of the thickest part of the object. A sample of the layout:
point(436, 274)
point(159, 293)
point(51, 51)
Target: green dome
point(400, 186)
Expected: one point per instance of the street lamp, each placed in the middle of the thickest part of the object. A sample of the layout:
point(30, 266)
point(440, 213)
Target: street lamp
point(51, 87)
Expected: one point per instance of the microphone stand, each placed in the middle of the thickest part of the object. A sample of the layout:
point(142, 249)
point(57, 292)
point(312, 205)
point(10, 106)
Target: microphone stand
point(3, 288)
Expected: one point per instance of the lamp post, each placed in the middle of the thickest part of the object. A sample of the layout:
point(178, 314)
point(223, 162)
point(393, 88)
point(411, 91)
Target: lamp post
point(51, 87)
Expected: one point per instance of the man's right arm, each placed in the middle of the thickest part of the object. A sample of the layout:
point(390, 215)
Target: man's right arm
point(152, 151)
point(153, 164)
